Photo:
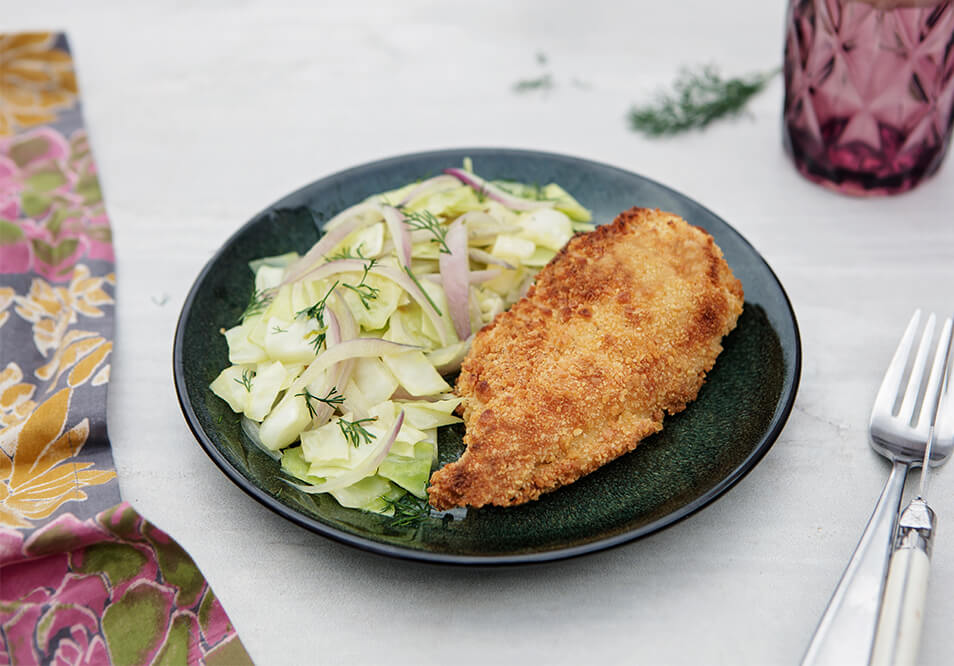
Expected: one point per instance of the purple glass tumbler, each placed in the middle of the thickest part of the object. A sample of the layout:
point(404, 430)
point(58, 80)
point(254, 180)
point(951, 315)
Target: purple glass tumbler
point(869, 91)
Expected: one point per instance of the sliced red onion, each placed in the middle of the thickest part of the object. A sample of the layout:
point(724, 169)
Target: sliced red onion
point(344, 223)
point(349, 330)
point(357, 348)
point(495, 193)
point(487, 258)
point(401, 278)
point(333, 268)
point(455, 277)
point(348, 325)
point(250, 428)
point(404, 281)
point(367, 467)
point(333, 332)
point(399, 233)
point(429, 186)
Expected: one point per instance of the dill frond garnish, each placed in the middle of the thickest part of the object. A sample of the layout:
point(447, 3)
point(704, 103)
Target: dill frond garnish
point(364, 291)
point(409, 510)
point(349, 253)
point(246, 380)
point(257, 303)
point(524, 191)
point(332, 399)
point(407, 269)
point(424, 220)
point(317, 339)
point(698, 97)
point(317, 311)
point(354, 432)
point(278, 329)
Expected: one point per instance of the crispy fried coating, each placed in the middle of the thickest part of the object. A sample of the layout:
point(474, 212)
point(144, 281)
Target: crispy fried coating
point(620, 327)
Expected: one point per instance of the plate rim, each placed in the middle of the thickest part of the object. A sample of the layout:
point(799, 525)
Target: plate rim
point(779, 420)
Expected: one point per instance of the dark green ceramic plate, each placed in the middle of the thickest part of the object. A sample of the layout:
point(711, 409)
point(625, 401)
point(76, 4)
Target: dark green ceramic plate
point(699, 455)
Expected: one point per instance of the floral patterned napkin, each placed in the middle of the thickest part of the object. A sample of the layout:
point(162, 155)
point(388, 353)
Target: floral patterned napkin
point(83, 578)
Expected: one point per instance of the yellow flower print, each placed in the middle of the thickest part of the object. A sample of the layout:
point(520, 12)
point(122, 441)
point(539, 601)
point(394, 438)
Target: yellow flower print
point(16, 401)
point(82, 352)
point(6, 298)
point(37, 477)
point(51, 310)
point(36, 80)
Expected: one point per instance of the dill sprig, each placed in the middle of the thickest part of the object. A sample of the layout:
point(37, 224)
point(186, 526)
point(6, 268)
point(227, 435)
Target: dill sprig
point(409, 510)
point(317, 311)
point(407, 269)
point(318, 339)
point(349, 253)
point(354, 432)
point(523, 190)
point(278, 329)
point(257, 303)
point(364, 291)
point(544, 82)
point(698, 97)
point(424, 220)
point(246, 380)
point(332, 399)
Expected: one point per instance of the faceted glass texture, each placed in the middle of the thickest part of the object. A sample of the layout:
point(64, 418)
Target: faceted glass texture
point(868, 92)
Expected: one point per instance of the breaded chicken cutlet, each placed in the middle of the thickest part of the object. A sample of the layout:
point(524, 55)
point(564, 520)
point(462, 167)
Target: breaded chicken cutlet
point(621, 327)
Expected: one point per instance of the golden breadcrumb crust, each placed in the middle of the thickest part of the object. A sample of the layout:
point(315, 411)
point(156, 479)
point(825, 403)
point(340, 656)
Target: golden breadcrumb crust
point(620, 327)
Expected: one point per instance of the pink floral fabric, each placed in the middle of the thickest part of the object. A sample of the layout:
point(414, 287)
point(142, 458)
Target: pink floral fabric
point(51, 207)
point(114, 589)
point(83, 580)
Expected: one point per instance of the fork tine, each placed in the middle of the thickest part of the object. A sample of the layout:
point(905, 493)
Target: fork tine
point(938, 367)
point(944, 427)
point(913, 390)
point(891, 384)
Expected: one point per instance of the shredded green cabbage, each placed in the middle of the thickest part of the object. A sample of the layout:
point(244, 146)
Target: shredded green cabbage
point(340, 419)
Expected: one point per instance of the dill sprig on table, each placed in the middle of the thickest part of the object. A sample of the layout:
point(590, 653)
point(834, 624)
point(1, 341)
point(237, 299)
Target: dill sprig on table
point(544, 82)
point(698, 97)
point(409, 511)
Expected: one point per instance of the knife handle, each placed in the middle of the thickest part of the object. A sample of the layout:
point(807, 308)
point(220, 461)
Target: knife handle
point(847, 627)
point(902, 606)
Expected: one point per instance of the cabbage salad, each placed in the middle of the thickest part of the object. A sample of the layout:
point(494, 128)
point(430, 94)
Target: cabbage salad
point(338, 363)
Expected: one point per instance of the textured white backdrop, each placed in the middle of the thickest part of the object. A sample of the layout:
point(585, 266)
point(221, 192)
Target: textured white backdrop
point(201, 114)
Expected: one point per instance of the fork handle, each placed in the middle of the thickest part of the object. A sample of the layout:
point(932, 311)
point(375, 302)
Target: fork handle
point(847, 628)
point(902, 608)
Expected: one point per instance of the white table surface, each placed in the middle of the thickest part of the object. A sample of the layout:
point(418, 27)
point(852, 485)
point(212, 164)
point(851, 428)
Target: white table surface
point(201, 114)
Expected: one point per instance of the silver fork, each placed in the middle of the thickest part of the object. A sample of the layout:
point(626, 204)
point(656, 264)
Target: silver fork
point(847, 628)
point(905, 590)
